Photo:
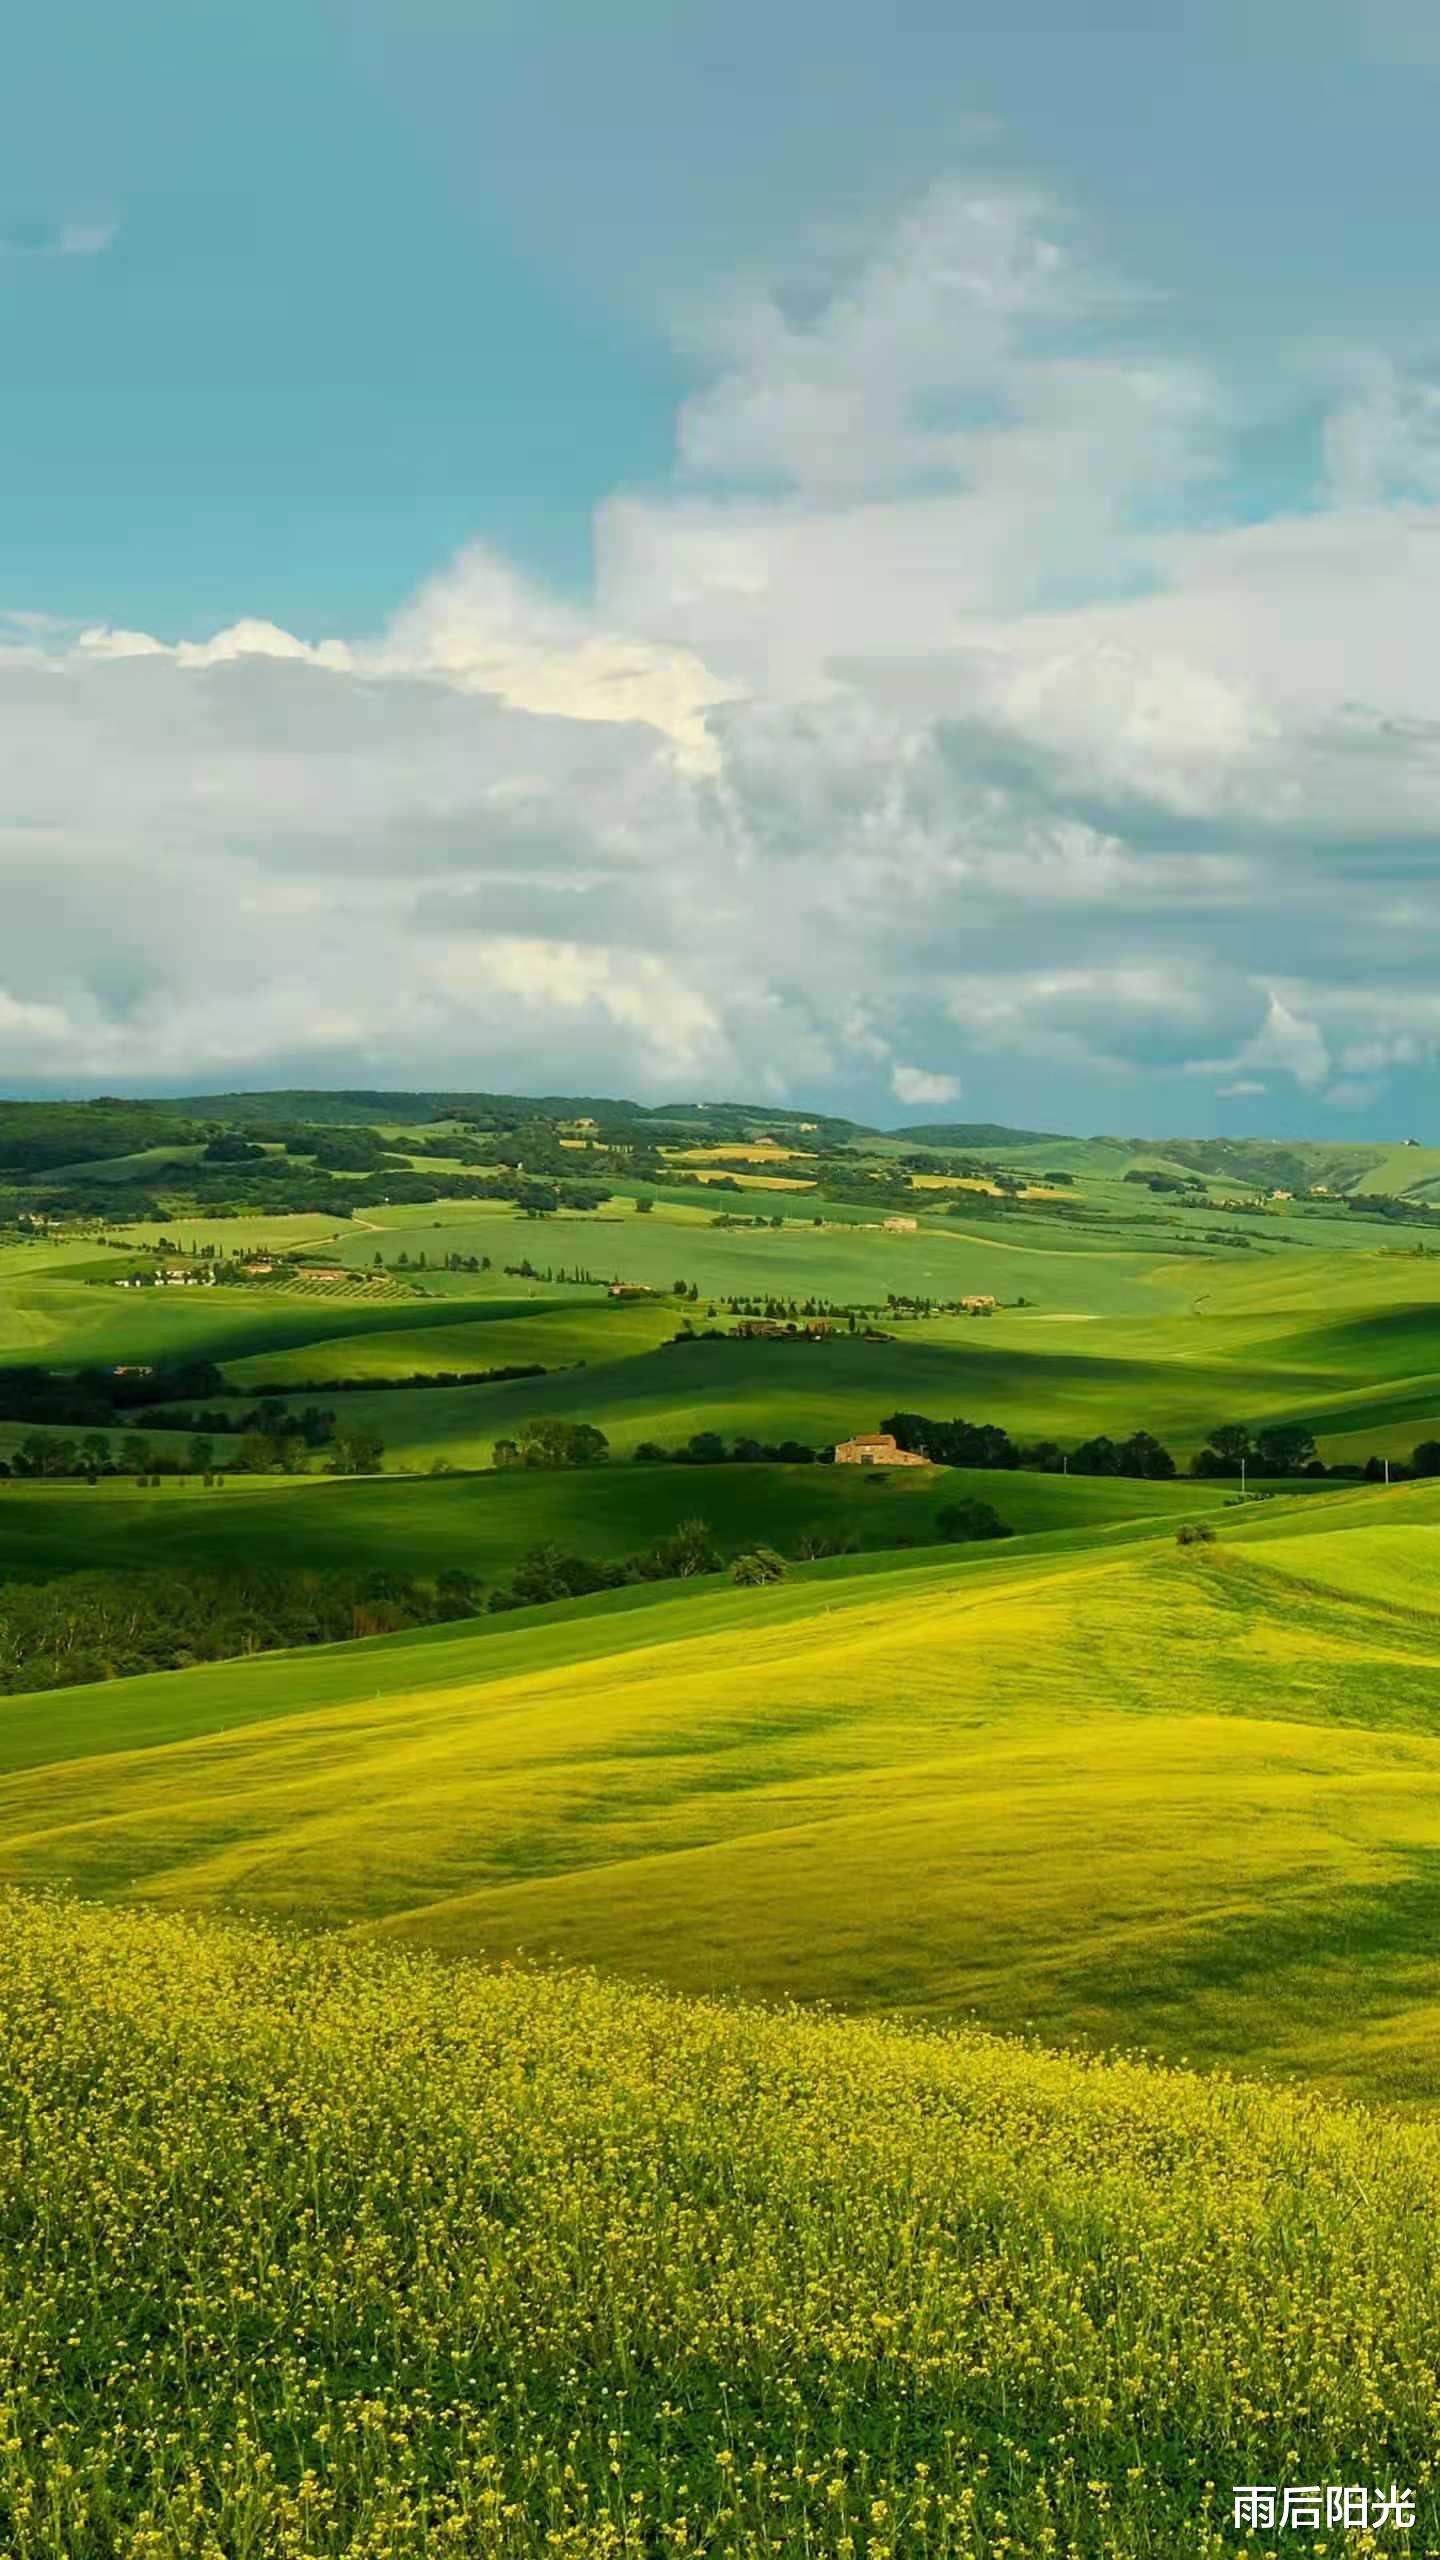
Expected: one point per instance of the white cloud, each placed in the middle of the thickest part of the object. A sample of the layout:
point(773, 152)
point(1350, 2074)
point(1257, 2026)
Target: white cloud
point(933, 708)
point(918, 1086)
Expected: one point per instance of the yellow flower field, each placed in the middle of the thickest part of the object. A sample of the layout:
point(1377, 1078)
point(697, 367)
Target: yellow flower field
point(319, 2250)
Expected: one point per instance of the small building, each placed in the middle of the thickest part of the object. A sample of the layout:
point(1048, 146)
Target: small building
point(876, 1449)
point(257, 1270)
point(630, 1289)
point(977, 1306)
point(133, 1369)
point(901, 1226)
point(322, 1271)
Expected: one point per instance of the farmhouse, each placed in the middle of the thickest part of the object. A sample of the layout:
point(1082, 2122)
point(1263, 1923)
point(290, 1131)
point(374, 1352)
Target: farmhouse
point(900, 1226)
point(322, 1271)
point(876, 1449)
point(630, 1289)
point(977, 1306)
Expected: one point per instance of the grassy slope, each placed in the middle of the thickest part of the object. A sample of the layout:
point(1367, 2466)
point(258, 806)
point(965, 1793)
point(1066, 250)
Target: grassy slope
point(394, 2258)
point(1362, 1375)
point(486, 1523)
point(1128, 1791)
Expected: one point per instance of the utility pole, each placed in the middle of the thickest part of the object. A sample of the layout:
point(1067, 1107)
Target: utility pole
point(1387, 1473)
point(1242, 1475)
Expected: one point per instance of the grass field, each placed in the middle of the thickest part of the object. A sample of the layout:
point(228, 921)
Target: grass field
point(485, 1524)
point(1367, 1379)
point(327, 2241)
point(1093, 1785)
point(394, 2259)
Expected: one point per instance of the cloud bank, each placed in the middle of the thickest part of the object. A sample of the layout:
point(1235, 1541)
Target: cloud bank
point(949, 725)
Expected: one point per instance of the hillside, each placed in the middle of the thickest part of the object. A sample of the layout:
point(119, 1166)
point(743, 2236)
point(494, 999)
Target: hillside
point(484, 1524)
point(391, 2258)
point(1092, 1783)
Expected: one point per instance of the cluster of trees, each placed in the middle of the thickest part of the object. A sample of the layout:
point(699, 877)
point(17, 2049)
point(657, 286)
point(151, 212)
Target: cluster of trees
point(35, 1137)
point(1288, 1449)
point(95, 1396)
point(1231, 1450)
point(545, 1441)
point(710, 1449)
point(452, 1262)
point(985, 1444)
point(272, 1442)
point(1187, 1185)
point(1278, 1449)
point(550, 1572)
point(102, 1626)
point(287, 1184)
point(962, 1523)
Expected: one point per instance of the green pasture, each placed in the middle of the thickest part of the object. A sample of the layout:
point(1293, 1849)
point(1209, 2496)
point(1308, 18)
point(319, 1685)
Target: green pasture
point(560, 1333)
point(1177, 1377)
point(1109, 1339)
point(1107, 1789)
point(484, 1524)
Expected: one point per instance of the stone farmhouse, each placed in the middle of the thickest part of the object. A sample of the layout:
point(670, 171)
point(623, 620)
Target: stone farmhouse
point(876, 1449)
point(900, 1226)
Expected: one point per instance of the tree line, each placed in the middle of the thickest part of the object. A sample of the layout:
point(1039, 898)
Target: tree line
point(103, 1626)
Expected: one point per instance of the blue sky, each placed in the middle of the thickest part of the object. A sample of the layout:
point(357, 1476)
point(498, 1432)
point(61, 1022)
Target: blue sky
point(867, 554)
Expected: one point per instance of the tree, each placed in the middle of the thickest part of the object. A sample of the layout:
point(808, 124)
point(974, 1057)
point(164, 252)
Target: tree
point(134, 1455)
point(545, 1441)
point(681, 1554)
point(1143, 1455)
point(1284, 1448)
point(757, 1565)
point(643, 1205)
point(1425, 1459)
point(357, 1452)
point(200, 1457)
point(961, 1522)
point(1227, 1448)
point(1097, 1457)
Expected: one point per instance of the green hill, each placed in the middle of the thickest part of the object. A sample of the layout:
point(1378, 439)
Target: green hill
point(484, 1524)
point(1100, 1785)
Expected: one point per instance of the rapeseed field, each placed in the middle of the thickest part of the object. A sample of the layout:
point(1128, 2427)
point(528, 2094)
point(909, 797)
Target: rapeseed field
point(318, 2250)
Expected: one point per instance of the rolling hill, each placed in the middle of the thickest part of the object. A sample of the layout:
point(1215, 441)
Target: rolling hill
point(1092, 1785)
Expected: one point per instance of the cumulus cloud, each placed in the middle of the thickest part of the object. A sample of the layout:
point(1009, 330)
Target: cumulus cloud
point(935, 707)
point(919, 1086)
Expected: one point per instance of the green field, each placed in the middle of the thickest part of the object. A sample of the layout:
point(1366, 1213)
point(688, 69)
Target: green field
point(713, 2069)
point(1095, 1786)
point(484, 1524)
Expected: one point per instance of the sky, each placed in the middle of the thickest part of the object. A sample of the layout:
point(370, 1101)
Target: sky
point(885, 560)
